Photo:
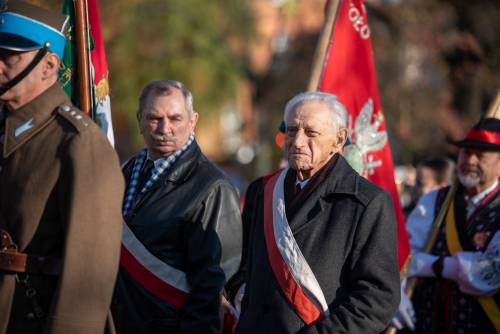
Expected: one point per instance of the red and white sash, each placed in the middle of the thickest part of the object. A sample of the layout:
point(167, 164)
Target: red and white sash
point(290, 268)
point(163, 281)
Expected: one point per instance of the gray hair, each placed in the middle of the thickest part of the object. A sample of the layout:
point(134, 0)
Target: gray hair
point(164, 87)
point(339, 113)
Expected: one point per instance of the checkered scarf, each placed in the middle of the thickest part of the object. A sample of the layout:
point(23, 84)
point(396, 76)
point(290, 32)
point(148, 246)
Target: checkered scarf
point(159, 169)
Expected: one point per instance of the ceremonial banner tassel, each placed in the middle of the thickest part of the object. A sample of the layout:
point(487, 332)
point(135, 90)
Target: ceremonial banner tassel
point(348, 71)
point(84, 72)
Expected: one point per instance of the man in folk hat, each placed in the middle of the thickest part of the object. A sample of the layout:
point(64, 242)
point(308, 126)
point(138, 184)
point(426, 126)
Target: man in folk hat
point(60, 188)
point(460, 278)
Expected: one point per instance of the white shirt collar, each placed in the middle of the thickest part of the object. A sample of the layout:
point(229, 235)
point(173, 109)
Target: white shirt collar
point(302, 183)
point(476, 199)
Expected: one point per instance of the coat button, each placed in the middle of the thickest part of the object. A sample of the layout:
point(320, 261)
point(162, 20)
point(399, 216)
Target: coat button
point(66, 108)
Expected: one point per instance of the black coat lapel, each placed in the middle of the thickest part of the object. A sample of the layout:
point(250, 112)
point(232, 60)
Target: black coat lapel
point(308, 206)
point(181, 169)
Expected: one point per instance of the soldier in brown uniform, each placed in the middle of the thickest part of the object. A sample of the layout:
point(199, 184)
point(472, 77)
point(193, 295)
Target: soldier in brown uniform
point(61, 189)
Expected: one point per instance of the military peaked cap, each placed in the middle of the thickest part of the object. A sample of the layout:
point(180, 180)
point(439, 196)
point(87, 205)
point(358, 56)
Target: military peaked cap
point(26, 27)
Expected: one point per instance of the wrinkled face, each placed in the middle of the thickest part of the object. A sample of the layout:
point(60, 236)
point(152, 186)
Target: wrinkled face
point(11, 64)
point(478, 169)
point(312, 137)
point(165, 124)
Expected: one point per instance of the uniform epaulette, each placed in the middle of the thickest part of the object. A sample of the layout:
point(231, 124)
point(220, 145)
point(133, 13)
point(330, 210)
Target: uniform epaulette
point(76, 117)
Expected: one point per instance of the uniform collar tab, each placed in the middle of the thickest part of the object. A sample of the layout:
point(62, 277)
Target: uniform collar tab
point(22, 124)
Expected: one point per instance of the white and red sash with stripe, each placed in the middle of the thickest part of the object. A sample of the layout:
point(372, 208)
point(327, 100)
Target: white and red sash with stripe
point(290, 268)
point(163, 281)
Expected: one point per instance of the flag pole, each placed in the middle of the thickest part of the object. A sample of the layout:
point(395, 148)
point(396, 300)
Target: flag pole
point(493, 111)
point(433, 234)
point(320, 53)
point(322, 46)
point(82, 52)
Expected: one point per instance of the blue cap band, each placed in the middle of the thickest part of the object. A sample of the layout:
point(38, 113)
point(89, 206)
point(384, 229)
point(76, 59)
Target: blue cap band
point(35, 31)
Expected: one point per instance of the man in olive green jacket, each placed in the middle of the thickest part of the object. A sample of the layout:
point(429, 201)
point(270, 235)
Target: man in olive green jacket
point(61, 189)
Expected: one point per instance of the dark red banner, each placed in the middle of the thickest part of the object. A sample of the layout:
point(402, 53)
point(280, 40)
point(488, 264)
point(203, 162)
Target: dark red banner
point(349, 73)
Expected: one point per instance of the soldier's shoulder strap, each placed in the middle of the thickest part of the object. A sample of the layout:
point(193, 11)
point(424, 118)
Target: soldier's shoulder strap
point(77, 118)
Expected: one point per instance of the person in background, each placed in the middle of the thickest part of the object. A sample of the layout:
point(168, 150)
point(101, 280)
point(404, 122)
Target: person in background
point(405, 178)
point(458, 289)
point(182, 235)
point(434, 173)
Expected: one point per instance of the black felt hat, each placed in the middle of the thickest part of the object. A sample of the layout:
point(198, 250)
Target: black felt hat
point(485, 135)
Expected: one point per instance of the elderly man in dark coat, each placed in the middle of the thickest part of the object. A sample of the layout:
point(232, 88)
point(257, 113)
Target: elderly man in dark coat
point(60, 189)
point(321, 254)
point(183, 236)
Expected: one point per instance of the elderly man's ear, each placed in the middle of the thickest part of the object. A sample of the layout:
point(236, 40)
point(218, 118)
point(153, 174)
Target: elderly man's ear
point(341, 139)
point(50, 66)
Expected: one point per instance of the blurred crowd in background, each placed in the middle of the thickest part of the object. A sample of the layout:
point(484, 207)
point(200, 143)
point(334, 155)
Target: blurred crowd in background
point(429, 174)
point(438, 66)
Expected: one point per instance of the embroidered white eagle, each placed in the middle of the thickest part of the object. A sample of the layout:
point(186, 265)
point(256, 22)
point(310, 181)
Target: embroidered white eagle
point(365, 138)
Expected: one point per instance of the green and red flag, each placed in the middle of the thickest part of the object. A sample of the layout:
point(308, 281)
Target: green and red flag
point(68, 71)
point(349, 73)
point(100, 99)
